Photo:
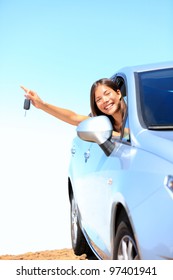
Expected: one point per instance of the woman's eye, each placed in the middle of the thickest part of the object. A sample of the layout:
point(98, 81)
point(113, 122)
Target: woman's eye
point(98, 100)
point(107, 93)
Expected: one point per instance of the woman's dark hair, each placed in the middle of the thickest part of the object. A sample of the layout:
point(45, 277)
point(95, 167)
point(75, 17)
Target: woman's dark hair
point(94, 109)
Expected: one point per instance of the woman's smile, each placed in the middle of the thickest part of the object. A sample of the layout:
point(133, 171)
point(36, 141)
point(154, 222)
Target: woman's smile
point(109, 106)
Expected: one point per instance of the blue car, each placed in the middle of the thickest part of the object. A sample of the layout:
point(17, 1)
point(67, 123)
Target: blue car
point(121, 188)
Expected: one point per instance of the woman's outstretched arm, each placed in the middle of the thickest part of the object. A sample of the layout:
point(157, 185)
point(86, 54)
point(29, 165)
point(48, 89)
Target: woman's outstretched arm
point(62, 114)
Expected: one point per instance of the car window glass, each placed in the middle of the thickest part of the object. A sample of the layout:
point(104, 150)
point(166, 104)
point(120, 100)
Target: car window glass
point(156, 98)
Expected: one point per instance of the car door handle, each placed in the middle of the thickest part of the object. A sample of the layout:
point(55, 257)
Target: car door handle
point(73, 150)
point(87, 155)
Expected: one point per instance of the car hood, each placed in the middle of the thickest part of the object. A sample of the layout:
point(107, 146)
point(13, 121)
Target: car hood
point(157, 142)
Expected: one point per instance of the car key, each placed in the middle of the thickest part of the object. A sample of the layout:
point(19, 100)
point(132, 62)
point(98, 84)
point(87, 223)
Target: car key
point(26, 105)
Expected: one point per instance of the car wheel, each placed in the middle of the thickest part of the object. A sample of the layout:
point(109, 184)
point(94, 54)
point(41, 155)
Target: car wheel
point(125, 245)
point(79, 244)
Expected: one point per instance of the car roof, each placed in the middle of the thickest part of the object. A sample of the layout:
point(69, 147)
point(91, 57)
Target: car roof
point(147, 67)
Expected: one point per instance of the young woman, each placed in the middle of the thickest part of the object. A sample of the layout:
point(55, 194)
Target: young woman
point(105, 99)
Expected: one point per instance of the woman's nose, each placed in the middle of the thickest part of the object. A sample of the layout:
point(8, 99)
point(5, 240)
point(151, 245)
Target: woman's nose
point(105, 99)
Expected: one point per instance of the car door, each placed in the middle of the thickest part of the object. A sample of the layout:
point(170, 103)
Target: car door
point(96, 188)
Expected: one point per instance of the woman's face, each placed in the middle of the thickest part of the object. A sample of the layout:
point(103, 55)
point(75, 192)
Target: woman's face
point(107, 100)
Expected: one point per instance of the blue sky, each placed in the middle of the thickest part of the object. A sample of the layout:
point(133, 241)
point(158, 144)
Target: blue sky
point(59, 48)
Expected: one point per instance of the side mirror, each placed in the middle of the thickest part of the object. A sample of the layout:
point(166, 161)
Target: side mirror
point(98, 130)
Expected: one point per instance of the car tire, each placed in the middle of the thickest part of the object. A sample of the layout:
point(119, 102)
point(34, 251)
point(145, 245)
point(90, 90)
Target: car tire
point(79, 244)
point(125, 246)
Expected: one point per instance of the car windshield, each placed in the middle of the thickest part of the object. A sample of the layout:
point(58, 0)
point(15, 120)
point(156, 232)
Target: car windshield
point(156, 98)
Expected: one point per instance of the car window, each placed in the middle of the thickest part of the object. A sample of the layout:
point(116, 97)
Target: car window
point(155, 89)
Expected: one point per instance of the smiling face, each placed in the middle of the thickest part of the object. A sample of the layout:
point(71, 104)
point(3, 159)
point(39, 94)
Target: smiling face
point(107, 99)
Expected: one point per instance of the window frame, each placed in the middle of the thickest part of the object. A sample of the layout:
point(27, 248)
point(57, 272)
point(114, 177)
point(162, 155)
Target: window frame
point(121, 78)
